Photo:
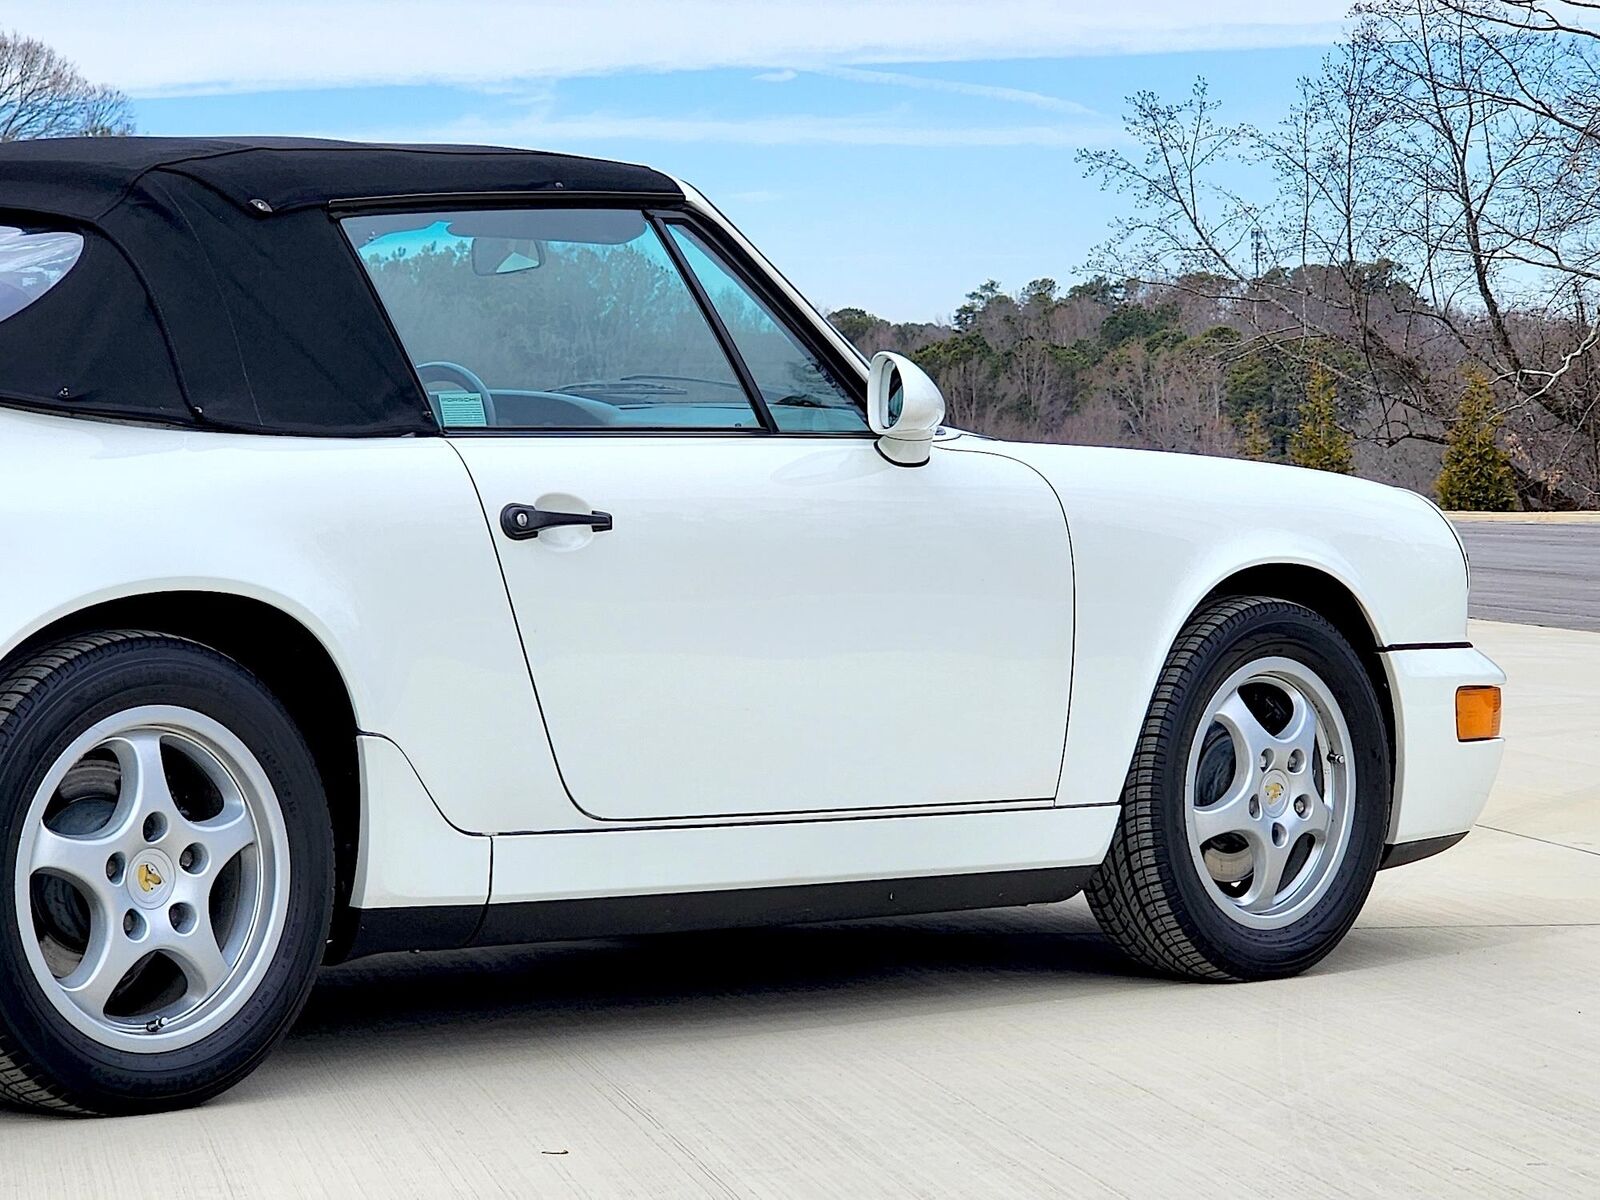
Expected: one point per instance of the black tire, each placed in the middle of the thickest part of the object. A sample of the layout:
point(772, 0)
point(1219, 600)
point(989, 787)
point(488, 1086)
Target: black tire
point(1148, 896)
point(46, 703)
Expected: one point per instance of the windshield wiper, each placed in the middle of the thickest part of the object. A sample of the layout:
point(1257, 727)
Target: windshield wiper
point(721, 383)
point(626, 387)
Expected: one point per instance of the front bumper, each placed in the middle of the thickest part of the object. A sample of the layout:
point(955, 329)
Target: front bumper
point(1440, 784)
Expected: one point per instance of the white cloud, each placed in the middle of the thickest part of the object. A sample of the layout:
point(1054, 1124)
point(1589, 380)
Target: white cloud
point(981, 90)
point(890, 129)
point(777, 76)
point(179, 46)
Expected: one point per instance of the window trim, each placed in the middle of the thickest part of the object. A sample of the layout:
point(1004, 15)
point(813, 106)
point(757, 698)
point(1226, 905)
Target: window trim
point(719, 329)
point(555, 197)
point(798, 324)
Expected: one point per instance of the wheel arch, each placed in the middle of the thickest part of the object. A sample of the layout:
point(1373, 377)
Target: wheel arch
point(1331, 598)
point(280, 650)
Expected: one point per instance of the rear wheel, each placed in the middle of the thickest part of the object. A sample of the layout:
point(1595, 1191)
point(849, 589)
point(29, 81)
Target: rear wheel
point(1254, 812)
point(168, 864)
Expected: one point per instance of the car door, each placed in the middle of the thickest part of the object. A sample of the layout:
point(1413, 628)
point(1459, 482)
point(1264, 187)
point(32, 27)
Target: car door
point(731, 604)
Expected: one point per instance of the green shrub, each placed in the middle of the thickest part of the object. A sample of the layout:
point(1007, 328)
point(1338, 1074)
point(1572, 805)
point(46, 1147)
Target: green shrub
point(1477, 475)
point(1321, 442)
point(1254, 443)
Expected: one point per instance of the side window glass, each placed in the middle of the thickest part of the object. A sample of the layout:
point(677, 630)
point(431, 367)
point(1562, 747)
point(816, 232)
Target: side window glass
point(549, 318)
point(32, 261)
point(803, 394)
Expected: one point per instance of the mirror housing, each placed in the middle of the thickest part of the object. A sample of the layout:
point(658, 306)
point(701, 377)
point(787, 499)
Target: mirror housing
point(905, 437)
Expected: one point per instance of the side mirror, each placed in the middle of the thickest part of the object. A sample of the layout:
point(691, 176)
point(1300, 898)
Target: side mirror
point(904, 407)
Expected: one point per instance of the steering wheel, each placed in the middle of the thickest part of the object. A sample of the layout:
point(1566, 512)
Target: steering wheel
point(449, 372)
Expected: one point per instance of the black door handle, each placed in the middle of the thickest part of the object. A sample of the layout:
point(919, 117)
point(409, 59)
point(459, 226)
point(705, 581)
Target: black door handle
point(519, 521)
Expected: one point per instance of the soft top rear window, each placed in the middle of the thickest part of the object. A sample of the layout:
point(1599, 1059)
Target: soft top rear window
point(32, 261)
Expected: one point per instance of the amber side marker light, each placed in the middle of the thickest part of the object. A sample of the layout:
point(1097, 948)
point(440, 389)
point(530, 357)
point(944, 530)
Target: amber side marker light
point(1477, 713)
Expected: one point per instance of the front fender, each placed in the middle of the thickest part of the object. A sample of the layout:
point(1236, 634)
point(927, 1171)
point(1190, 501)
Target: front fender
point(1154, 534)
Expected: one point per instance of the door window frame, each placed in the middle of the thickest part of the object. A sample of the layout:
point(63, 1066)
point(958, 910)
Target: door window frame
point(658, 216)
point(783, 312)
point(719, 328)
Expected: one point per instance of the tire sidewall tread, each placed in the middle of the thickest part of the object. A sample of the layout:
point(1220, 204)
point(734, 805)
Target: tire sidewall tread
point(46, 702)
point(1148, 895)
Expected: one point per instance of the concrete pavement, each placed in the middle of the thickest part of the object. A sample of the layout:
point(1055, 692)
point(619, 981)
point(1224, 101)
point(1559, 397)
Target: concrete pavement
point(1450, 1047)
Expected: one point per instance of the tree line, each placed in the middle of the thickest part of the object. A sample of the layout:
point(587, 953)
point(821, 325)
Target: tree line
point(1152, 366)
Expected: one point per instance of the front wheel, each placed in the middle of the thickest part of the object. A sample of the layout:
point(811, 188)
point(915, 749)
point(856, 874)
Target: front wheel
point(1254, 812)
point(168, 874)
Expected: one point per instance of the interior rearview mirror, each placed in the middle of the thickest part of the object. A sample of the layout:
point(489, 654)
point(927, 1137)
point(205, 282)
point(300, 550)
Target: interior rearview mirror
point(505, 256)
point(904, 407)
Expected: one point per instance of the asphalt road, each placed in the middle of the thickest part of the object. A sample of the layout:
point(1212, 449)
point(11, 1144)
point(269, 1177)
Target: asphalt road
point(1538, 574)
point(1450, 1047)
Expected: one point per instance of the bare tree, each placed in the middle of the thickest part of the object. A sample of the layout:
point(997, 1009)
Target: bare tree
point(1437, 206)
point(44, 95)
point(1499, 206)
point(1169, 402)
point(1575, 106)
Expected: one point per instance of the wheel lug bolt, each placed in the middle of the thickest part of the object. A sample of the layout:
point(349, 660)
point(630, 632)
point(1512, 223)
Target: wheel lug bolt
point(114, 866)
point(155, 826)
point(1300, 807)
point(1255, 806)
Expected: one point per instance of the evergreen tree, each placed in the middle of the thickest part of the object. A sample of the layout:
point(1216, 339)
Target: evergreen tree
point(979, 299)
point(1477, 475)
point(1253, 440)
point(854, 323)
point(1269, 381)
point(1320, 442)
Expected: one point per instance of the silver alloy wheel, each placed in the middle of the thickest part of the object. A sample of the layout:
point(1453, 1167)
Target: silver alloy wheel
point(153, 879)
point(1269, 793)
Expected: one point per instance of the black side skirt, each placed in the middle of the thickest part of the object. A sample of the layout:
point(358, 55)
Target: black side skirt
point(1401, 853)
point(456, 927)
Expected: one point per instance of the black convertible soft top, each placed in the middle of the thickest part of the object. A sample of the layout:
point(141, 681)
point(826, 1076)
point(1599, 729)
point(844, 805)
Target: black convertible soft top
point(215, 287)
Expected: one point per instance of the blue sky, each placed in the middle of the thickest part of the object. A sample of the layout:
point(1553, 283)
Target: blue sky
point(886, 153)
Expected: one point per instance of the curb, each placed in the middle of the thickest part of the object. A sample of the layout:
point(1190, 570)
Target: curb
point(1526, 518)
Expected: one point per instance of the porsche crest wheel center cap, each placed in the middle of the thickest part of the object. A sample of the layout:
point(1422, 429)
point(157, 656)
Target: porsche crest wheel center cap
point(1275, 793)
point(150, 879)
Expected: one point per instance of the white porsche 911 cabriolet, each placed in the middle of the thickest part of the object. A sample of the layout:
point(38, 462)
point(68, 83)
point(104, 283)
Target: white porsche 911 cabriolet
point(430, 547)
